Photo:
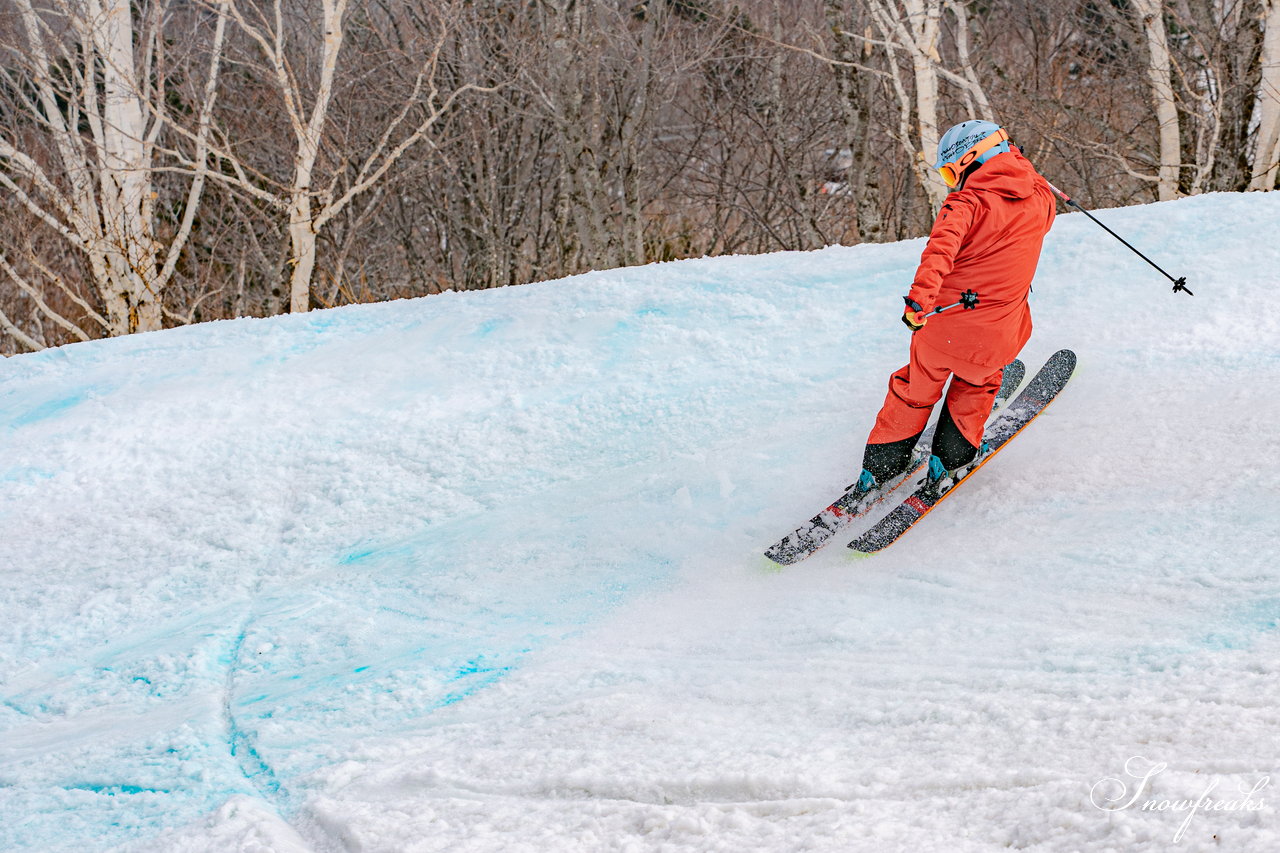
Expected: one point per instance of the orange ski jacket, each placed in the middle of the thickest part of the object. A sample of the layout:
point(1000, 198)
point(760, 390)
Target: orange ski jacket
point(987, 238)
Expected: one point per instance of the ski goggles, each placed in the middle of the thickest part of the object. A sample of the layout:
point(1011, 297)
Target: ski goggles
point(951, 172)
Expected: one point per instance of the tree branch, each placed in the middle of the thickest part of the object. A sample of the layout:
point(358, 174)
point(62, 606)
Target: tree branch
point(19, 335)
point(31, 291)
point(203, 125)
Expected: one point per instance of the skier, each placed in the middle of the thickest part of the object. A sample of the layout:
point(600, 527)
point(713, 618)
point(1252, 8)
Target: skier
point(982, 252)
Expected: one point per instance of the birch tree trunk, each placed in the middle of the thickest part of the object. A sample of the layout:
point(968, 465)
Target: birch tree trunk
point(1266, 154)
point(133, 302)
point(914, 28)
point(101, 113)
point(1159, 70)
point(302, 230)
point(974, 95)
point(308, 129)
point(924, 19)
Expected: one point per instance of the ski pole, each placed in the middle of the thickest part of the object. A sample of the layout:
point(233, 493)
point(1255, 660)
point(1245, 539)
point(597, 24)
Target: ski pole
point(968, 301)
point(1178, 283)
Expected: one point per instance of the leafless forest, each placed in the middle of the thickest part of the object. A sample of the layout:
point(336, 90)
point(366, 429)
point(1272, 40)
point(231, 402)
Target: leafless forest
point(165, 162)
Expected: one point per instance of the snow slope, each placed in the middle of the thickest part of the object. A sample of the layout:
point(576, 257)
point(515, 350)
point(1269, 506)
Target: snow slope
point(482, 571)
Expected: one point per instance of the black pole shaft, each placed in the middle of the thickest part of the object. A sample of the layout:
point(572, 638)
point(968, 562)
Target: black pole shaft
point(1178, 283)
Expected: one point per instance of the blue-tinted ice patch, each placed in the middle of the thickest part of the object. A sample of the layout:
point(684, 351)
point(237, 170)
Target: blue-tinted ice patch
point(1244, 625)
point(48, 409)
point(488, 327)
point(24, 475)
point(368, 551)
point(114, 789)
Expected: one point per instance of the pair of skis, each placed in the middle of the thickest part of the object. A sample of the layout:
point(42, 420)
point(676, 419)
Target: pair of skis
point(845, 511)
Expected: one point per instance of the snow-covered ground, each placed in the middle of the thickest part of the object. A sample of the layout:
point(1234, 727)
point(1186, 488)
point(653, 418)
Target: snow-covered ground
point(482, 571)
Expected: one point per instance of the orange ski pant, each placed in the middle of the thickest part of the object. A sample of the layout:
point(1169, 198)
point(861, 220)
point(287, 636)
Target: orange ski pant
point(915, 389)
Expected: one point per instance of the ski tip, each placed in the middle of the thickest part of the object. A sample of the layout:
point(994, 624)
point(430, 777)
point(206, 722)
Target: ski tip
point(859, 555)
point(1062, 364)
point(1064, 356)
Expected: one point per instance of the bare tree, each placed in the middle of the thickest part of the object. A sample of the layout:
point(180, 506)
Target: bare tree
point(1266, 153)
point(1150, 14)
point(309, 202)
point(855, 82)
point(914, 29)
point(86, 88)
point(226, 157)
point(573, 94)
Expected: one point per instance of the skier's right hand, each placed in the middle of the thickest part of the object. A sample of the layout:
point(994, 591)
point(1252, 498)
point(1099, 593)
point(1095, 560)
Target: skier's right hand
point(914, 316)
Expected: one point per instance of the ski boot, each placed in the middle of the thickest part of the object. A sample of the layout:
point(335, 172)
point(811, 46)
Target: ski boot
point(866, 483)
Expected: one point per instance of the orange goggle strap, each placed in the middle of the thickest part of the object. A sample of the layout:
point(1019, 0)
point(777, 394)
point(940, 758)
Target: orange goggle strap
point(952, 171)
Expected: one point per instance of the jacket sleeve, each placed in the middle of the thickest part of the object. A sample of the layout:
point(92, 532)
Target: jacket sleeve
point(945, 240)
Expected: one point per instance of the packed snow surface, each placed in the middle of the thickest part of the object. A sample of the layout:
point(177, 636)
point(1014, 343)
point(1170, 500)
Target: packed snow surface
point(483, 571)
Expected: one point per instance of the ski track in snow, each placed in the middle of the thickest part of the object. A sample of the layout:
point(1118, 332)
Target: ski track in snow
point(482, 571)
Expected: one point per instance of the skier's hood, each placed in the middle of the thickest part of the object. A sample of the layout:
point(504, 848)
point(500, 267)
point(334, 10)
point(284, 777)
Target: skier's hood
point(1008, 174)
